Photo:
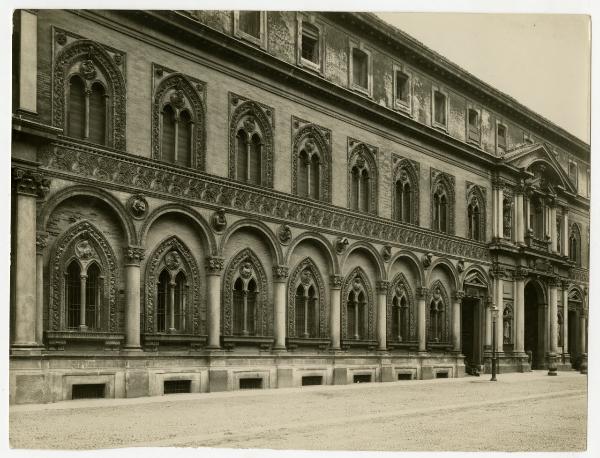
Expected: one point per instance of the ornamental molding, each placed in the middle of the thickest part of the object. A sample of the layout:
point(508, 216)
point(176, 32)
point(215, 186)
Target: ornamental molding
point(406, 170)
point(174, 255)
point(183, 92)
point(364, 156)
point(245, 264)
point(400, 286)
point(341, 244)
point(142, 175)
point(316, 140)
point(252, 116)
point(298, 276)
point(85, 243)
point(356, 280)
point(30, 182)
point(75, 54)
point(446, 181)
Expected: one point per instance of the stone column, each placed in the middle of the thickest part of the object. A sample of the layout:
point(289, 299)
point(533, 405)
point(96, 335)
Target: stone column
point(280, 274)
point(456, 307)
point(421, 318)
point(500, 210)
point(133, 256)
point(27, 185)
point(495, 213)
point(565, 232)
point(553, 233)
point(499, 303)
point(527, 206)
point(335, 288)
point(582, 332)
point(553, 311)
point(382, 290)
point(519, 285)
point(488, 323)
point(214, 267)
point(565, 312)
point(41, 242)
point(519, 217)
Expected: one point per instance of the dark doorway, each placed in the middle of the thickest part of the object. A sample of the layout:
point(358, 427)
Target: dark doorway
point(573, 350)
point(534, 325)
point(470, 334)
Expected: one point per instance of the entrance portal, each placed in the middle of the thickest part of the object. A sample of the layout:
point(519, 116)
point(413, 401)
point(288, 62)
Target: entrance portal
point(535, 342)
point(471, 333)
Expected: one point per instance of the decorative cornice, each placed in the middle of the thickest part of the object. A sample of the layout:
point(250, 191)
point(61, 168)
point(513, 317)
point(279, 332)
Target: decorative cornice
point(127, 171)
point(214, 265)
point(30, 182)
point(133, 255)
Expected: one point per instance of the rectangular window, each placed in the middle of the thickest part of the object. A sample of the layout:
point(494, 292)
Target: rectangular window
point(309, 380)
point(310, 43)
point(88, 391)
point(251, 383)
point(439, 108)
point(177, 386)
point(360, 68)
point(402, 87)
point(501, 136)
point(473, 122)
point(362, 378)
point(441, 375)
point(249, 22)
point(405, 377)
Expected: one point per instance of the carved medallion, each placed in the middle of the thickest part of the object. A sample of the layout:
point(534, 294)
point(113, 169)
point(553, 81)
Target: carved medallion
point(173, 260)
point(138, 206)
point(218, 220)
point(87, 69)
point(284, 233)
point(246, 270)
point(341, 244)
point(84, 250)
point(177, 98)
point(386, 252)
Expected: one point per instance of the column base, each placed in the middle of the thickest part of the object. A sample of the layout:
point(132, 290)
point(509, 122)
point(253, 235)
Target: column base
point(133, 348)
point(213, 347)
point(279, 348)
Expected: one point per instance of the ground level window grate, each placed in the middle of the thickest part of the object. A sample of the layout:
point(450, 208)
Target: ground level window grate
point(405, 377)
point(177, 386)
point(251, 383)
point(362, 378)
point(308, 380)
point(441, 375)
point(88, 391)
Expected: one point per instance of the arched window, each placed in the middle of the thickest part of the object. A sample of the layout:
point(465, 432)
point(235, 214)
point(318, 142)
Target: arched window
point(73, 295)
point(474, 216)
point(306, 307)
point(309, 172)
point(93, 296)
point(178, 114)
point(537, 217)
point(362, 178)
point(438, 317)
point(76, 108)
point(162, 301)
point(405, 191)
point(83, 295)
point(507, 325)
point(355, 185)
point(171, 295)
point(311, 159)
point(400, 330)
point(97, 114)
point(442, 201)
point(357, 307)
point(250, 135)
point(403, 202)
point(575, 244)
point(440, 210)
point(476, 212)
point(303, 171)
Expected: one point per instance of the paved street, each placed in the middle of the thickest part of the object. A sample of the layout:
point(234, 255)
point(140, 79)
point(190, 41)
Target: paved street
point(520, 412)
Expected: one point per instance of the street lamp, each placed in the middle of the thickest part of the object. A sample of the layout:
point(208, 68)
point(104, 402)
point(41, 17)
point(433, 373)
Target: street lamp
point(494, 318)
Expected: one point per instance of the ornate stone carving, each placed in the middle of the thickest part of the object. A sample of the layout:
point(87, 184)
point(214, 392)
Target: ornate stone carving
point(214, 264)
point(284, 234)
point(61, 38)
point(357, 280)
point(138, 174)
point(335, 281)
point(507, 207)
point(281, 272)
point(341, 244)
point(93, 58)
point(264, 307)
point(399, 287)
point(426, 260)
point(459, 295)
point(172, 254)
point(363, 156)
point(65, 250)
point(83, 250)
point(386, 252)
point(137, 206)
point(30, 182)
point(314, 139)
point(41, 241)
point(218, 220)
point(242, 111)
point(444, 181)
point(183, 92)
point(406, 171)
point(422, 292)
point(134, 255)
point(460, 266)
point(307, 273)
point(382, 286)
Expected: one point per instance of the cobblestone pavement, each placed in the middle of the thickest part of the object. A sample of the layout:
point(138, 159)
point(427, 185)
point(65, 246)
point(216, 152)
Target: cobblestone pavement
point(520, 412)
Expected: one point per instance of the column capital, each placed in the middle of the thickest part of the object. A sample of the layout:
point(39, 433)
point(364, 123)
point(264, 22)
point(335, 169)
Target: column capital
point(335, 281)
point(383, 286)
point(133, 255)
point(554, 282)
point(520, 273)
point(214, 265)
point(422, 292)
point(29, 182)
point(41, 241)
point(281, 272)
point(565, 284)
point(459, 295)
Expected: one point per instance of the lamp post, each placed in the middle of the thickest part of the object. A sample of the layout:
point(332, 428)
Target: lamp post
point(494, 318)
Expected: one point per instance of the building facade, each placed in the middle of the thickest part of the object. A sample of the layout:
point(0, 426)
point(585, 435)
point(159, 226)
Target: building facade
point(217, 200)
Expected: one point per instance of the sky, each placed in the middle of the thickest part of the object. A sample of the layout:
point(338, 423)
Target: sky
point(541, 60)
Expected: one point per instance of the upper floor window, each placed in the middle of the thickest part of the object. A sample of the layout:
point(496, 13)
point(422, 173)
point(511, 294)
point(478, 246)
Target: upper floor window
point(89, 91)
point(402, 87)
point(442, 202)
point(250, 25)
point(439, 108)
point(406, 191)
point(575, 244)
point(362, 178)
point(360, 69)
point(178, 112)
point(536, 216)
point(311, 162)
point(440, 210)
point(474, 216)
point(251, 142)
point(501, 136)
point(476, 212)
point(473, 125)
point(310, 43)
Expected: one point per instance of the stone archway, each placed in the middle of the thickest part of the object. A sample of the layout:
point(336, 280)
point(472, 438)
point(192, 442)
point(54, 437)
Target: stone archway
point(535, 339)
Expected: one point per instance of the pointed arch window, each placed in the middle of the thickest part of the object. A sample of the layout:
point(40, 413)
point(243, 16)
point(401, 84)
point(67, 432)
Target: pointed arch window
point(575, 244)
point(306, 307)
point(440, 209)
point(362, 178)
point(400, 329)
point(87, 110)
point(171, 301)
point(311, 160)
point(357, 308)
point(176, 135)
point(309, 173)
point(83, 295)
point(438, 318)
point(474, 218)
